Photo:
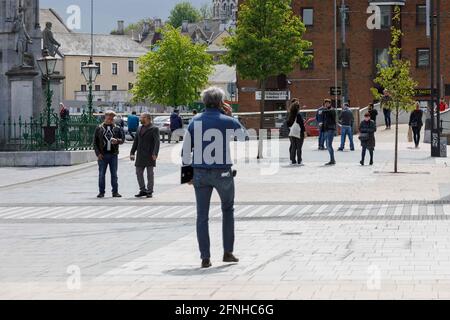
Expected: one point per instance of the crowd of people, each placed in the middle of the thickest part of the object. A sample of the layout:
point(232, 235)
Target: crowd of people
point(213, 170)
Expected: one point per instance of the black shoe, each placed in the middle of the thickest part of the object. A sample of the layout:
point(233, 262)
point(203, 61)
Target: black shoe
point(206, 263)
point(149, 195)
point(371, 163)
point(230, 258)
point(101, 195)
point(117, 195)
point(141, 194)
point(362, 163)
point(331, 163)
point(352, 149)
point(340, 149)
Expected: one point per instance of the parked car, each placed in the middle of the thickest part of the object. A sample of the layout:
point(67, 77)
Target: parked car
point(312, 128)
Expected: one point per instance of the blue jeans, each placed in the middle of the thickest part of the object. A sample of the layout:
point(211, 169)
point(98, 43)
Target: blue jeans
point(387, 117)
point(112, 161)
point(321, 139)
point(205, 181)
point(330, 137)
point(347, 131)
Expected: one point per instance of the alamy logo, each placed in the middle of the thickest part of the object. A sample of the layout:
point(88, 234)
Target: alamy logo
point(74, 20)
point(74, 280)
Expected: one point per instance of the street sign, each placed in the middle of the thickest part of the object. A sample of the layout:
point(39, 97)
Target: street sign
point(274, 95)
point(335, 91)
point(248, 89)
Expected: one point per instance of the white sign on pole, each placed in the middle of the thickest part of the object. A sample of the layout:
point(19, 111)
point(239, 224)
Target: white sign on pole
point(428, 13)
point(274, 95)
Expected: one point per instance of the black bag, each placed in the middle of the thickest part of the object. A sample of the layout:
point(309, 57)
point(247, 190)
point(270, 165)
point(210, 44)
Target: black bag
point(187, 174)
point(364, 137)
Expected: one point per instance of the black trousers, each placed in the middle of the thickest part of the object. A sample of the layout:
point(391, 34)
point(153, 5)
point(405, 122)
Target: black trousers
point(416, 133)
point(364, 151)
point(296, 150)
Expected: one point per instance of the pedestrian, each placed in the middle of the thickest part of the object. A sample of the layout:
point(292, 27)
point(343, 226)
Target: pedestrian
point(133, 124)
point(385, 100)
point(367, 131)
point(347, 120)
point(416, 124)
point(107, 138)
point(296, 125)
point(176, 123)
point(212, 170)
point(319, 120)
point(64, 115)
point(64, 112)
point(146, 145)
point(329, 128)
point(443, 105)
point(373, 113)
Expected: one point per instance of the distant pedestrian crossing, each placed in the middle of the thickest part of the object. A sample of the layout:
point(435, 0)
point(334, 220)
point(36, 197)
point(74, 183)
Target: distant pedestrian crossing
point(369, 211)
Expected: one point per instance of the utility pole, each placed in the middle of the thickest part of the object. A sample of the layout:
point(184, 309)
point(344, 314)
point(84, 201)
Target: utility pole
point(344, 57)
point(435, 76)
point(438, 73)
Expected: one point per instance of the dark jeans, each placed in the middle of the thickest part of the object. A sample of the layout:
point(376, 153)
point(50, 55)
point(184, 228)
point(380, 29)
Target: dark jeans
point(387, 117)
point(321, 139)
point(112, 161)
point(150, 179)
point(205, 181)
point(330, 134)
point(296, 150)
point(416, 133)
point(364, 151)
point(347, 131)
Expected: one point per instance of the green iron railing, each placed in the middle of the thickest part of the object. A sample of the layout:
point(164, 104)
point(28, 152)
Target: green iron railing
point(49, 132)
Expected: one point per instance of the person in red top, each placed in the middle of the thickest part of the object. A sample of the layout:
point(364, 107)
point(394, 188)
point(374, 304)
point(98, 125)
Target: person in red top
point(443, 106)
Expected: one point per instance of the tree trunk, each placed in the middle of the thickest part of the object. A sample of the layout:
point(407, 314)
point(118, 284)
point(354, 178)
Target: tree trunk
point(396, 138)
point(262, 105)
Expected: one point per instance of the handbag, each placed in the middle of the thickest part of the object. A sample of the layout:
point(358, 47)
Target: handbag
point(364, 136)
point(295, 131)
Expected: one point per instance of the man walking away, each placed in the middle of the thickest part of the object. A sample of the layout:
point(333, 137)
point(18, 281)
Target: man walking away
point(133, 124)
point(212, 170)
point(367, 130)
point(329, 128)
point(319, 119)
point(347, 119)
point(176, 123)
point(416, 124)
point(373, 113)
point(146, 144)
point(386, 110)
point(107, 138)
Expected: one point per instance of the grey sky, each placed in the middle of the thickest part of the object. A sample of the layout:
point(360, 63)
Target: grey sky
point(107, 12)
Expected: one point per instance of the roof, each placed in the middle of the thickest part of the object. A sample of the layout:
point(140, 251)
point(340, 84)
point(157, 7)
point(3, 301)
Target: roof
point(105, 45)
point(50, 15)
point(223, 74)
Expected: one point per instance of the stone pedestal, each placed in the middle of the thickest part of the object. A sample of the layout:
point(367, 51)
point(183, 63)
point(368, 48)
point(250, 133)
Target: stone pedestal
point(22, 93)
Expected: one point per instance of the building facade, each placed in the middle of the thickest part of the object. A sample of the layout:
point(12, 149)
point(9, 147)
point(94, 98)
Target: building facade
point(365, 49)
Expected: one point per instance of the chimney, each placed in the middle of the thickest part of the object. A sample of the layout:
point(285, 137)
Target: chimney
point(120, 27)
point(158, 24)
point(185, 26)
point(145, 28)
point(206, 25)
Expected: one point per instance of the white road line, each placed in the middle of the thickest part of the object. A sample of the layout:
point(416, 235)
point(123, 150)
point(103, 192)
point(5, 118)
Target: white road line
point(256, 211)
point(304, 210)
point(8, 211)
point(148, 212)
point(95, 211)
point(415, 210)
point(242, 209)
point(350, 210)
point(336, 209)
point(166, 210)
point(26, 210)
point(367, 210)
point(129, 211)
point(191, 214)
point(284, 213)
point(446, 209)
point(52, 214)
point(398, 210)
point(40, 214)
point(431, 210)
point(383, 210)
point(176, 212)
point(271, 212)
point(74, 210)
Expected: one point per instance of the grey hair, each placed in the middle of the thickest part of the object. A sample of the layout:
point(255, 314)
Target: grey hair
point(146, 115)
point(213, 97)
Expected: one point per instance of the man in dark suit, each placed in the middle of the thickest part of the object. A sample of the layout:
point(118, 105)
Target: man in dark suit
point(146, 144)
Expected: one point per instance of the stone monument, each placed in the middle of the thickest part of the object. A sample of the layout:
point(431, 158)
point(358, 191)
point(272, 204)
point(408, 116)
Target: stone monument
point(20, 46)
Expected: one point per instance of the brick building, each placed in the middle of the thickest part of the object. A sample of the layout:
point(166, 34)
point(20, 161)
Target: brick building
point(366, 48)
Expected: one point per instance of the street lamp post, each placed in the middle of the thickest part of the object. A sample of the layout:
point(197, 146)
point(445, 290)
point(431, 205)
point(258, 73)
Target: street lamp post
point(47, 66)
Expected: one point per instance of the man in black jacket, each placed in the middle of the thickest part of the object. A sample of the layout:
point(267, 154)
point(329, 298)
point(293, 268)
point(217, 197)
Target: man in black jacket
point(347, 119)
point(107, 138)
point(329, 128)
point(146, 144)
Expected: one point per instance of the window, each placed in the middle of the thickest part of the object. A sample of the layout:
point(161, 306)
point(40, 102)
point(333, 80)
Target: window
point(97, 87)
point(347, 15)
point(99, 66)
point(421, 14)
point(83, 88)
point(115, 68)
point(114, 88)
point(82, 64)
point(386, 17)
point(131, 66)
point(310, 64)
point(346, 62)
point(130, 86)
point(382, 57)
point(308, 16)
point(423, 58)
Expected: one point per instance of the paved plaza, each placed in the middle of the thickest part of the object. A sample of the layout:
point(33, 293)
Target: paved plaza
point(346, 232)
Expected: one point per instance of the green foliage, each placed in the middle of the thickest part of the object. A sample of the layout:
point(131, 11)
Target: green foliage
point(138, 26)
point(396, 77)
point(183, 11)
point(268, 40)
point(173, 72)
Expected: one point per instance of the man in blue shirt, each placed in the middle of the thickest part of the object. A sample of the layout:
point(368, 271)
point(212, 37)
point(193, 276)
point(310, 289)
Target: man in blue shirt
point(133, 124)
point(207, 148)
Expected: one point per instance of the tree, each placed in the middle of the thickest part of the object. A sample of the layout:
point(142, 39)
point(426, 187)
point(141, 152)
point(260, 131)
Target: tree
point(396, 79)
point(173, 72)
point(183, 11)
point(268, 42)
